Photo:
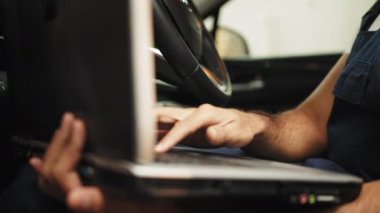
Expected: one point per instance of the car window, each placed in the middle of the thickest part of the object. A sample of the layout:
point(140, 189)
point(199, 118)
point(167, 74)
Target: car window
point(282, 28)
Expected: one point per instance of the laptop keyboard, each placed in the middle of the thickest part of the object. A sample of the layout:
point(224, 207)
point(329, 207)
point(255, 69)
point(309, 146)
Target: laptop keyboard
point(195, 158)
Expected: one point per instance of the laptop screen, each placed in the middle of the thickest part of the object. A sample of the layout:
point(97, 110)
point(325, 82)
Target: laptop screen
point(88, 57)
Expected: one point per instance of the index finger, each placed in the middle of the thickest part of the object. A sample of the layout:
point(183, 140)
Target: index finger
point(196, 120)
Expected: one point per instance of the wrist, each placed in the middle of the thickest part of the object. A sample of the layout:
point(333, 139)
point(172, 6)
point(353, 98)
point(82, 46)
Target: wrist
point(260, 124)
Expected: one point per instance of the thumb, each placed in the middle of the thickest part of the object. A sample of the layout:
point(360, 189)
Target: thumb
point(215, 135)
point(86, 199)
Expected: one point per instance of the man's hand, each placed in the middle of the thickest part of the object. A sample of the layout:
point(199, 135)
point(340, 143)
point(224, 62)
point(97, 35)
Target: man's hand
point(207, 126)
point(57, 174)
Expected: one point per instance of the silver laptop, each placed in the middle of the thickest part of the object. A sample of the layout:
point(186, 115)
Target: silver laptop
point(92, 58)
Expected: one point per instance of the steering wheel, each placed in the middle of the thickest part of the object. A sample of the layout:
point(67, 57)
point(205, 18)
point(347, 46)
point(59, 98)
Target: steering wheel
point(189, 50)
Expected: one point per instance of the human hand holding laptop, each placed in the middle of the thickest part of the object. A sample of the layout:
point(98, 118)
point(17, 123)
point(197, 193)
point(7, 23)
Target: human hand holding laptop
point(57, 170)
point(57, 174)
point(58, 177)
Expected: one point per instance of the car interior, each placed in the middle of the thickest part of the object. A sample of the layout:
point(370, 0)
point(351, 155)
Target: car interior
point(270, 83)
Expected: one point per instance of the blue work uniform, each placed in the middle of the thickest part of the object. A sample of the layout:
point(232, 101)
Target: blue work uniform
point(354, 124)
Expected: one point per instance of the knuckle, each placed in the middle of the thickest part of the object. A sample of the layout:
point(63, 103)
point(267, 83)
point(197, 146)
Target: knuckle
point(206, 107)
point(235, 113)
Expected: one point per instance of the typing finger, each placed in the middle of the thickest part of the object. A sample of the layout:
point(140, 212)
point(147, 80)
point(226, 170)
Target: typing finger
point(202, 117)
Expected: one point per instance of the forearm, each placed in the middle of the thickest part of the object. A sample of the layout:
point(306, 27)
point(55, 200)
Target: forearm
point(288, 136)
point(299, 133)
